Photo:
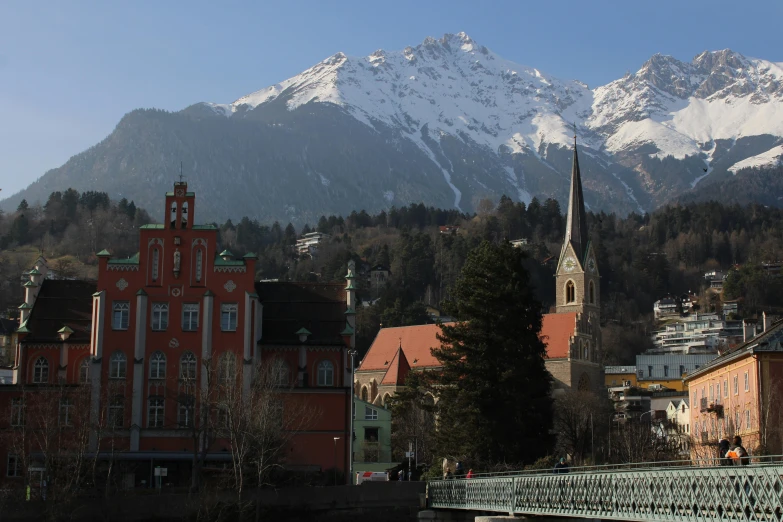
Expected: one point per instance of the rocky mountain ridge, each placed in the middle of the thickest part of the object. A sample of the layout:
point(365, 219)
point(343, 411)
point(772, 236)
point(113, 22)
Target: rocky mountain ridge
point(447, 122)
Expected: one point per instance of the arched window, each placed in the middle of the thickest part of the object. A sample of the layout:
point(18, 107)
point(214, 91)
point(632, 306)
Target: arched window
point(158, 366)
point(592, 293)
point(373, 390)
point(117, 366)
point(386, 400)
point(41, 371)
point(325, 373)
point(185, 215)
point(155, 264)
point(187, 366)
point(173, 218)
point(84, 371)
point(570, 292)
point(364, 393)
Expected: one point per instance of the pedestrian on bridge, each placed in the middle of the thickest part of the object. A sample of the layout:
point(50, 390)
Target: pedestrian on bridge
point(561, 466)
point(738, 453)
point(723, 449)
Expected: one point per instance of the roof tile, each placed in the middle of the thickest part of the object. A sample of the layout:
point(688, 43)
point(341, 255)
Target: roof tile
point(556, 331)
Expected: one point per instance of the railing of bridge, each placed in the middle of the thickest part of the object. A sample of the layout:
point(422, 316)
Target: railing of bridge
point(679, 490)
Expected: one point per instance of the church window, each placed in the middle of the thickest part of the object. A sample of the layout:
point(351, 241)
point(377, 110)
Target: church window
point(185, 215)
point(592, 293)
point(570, 292)
point(155, 264)
point(364, 394)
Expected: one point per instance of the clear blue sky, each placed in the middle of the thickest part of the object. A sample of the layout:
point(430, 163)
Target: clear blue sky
point(69, 70)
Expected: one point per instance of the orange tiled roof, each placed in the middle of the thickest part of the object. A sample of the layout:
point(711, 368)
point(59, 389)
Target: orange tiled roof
point(556, 330)
point(398, 370)
point(415, 341)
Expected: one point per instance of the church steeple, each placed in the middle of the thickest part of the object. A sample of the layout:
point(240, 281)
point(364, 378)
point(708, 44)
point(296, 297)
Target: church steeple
point(576, 222)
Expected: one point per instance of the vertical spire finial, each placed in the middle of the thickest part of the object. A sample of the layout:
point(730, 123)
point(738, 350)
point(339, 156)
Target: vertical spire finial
point(180, 166)
point(574, 134)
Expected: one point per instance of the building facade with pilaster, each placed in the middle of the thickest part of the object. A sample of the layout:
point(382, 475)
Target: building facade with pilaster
point(158, 332)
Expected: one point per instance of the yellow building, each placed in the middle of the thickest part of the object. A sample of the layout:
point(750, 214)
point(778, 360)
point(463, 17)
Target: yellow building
point(620, 376)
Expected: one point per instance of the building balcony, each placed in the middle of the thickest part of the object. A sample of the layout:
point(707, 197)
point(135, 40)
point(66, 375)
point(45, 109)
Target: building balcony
point(706, 406)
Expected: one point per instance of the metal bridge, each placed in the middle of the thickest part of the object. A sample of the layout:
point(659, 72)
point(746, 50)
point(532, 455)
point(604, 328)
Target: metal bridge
point(702, 492)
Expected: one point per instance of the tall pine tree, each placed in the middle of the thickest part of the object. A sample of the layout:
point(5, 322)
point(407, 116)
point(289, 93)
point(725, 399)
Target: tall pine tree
point(494, 403)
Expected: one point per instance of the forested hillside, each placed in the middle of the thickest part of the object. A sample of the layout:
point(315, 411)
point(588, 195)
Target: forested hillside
point(641, 258)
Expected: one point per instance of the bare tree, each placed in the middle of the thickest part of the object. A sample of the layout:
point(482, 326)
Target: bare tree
point(260, 422)
point(576, 415)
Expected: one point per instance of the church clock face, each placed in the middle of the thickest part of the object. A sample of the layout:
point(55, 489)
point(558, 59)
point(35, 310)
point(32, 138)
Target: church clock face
point(180, 192)
point(591, 264)
point(569, 264)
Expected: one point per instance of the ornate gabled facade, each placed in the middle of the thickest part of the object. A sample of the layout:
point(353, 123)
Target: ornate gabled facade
point(573, 332)
point(165, 335)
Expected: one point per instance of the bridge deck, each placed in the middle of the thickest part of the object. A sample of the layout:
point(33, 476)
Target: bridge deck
point(735, 493)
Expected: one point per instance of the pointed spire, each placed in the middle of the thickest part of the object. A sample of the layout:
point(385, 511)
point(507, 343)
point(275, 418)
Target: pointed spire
point(576, 222)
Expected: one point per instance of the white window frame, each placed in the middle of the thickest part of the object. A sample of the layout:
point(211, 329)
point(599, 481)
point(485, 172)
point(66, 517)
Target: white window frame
point(158, 365)
point(13, 468)
point(228, 317)
point(325, 373)
point(747, 419)
point(737, 421)
point(118, 366)
point(725, 388)
point(185, 415)
point(84, 371)
point(226, 368)
point(188, 367)
point(160, 317)
point(370, 413)
point(156, 410)
point(747, 382)
point(189, 317)
point(116, 412)
point(66, 411)
point(41, 371)
point(120, 317)
point(736, 385)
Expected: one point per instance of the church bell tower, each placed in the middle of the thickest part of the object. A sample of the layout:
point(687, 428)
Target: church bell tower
point(577, 271)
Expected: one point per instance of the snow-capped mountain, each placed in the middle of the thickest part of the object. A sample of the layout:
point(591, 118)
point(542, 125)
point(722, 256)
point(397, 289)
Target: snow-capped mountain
point(447, 122)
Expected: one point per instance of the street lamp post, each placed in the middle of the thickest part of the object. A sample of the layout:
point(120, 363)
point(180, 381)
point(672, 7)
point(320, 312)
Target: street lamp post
point(353, 354)
point(335, 459)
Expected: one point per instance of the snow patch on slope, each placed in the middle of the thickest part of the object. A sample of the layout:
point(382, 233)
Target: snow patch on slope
point(771, 158)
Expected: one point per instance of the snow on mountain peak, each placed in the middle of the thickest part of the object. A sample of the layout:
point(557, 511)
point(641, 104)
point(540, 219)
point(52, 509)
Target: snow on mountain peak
point(455, 86)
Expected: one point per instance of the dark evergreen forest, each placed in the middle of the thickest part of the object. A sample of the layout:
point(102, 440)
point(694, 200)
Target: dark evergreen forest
point(641, 257)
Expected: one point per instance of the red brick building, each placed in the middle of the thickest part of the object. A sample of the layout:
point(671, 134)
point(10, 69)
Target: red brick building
point(148, 334)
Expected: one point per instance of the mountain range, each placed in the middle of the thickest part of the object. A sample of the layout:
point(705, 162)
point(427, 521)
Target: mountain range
point(447, 123)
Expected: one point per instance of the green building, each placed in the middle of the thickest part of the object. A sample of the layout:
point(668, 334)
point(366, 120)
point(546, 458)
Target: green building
point(372, 437)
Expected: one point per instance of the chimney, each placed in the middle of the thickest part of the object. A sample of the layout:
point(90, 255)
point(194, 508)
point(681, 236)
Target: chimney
point(748, 331)
point(766, 321)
